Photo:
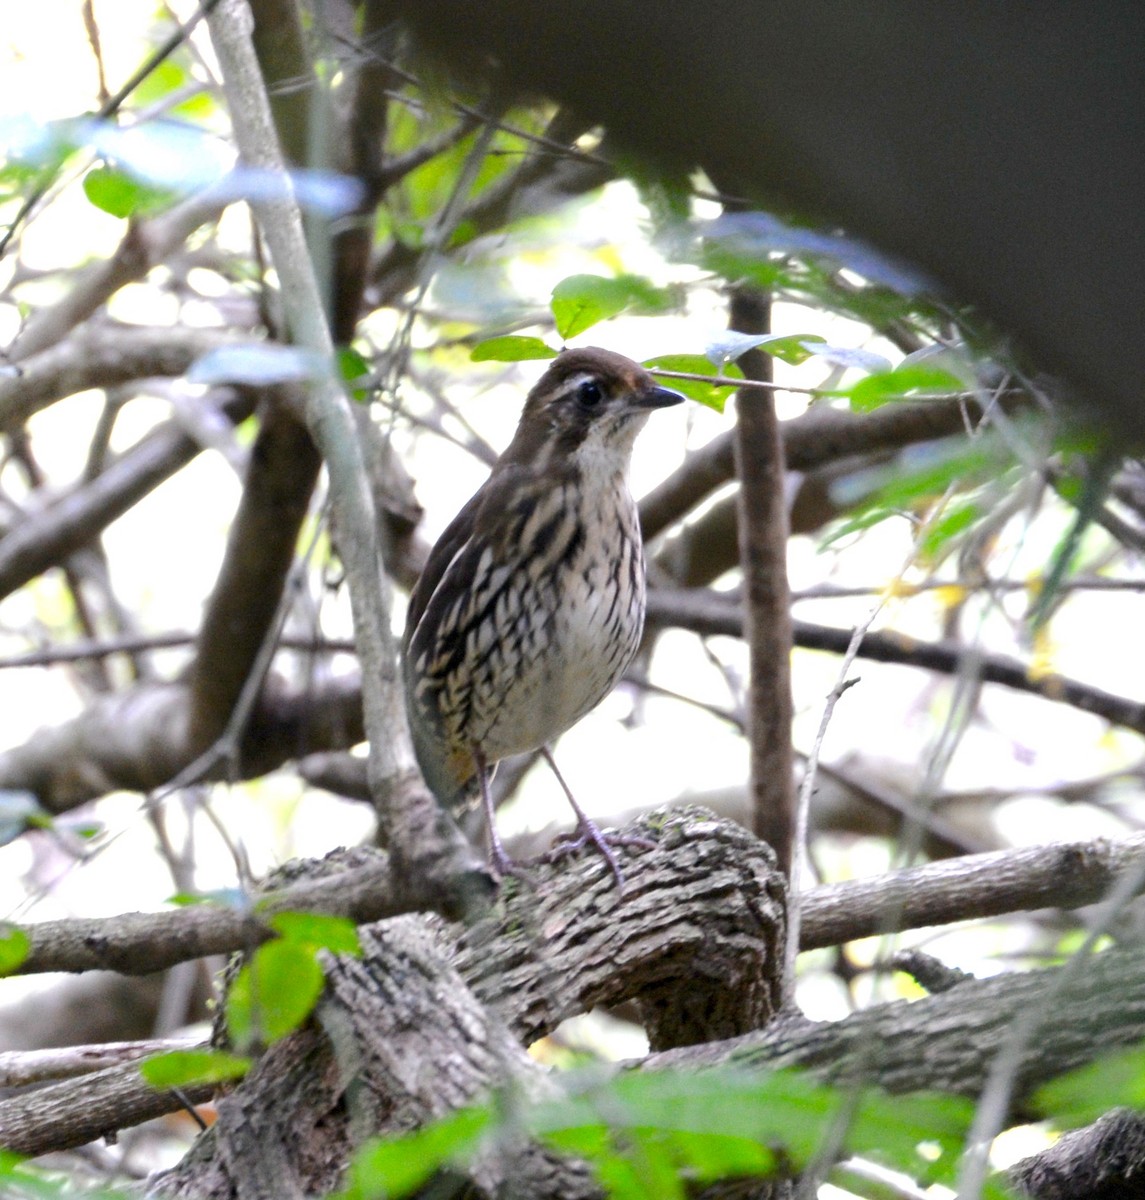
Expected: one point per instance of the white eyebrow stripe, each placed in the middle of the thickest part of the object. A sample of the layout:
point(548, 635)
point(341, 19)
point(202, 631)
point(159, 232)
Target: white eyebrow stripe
point(574, 381)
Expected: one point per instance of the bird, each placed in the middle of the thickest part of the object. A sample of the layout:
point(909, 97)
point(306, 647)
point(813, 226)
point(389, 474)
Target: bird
point(531, 604)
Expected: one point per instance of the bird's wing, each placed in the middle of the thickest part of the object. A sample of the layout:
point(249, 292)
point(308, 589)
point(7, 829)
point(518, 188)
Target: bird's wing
point(436, 626)
point(490, 519)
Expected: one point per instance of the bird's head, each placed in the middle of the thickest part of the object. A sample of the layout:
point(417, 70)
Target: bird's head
point(586, 411)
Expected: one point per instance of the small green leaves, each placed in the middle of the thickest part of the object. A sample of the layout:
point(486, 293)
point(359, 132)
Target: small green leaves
point(273, 994)
point(789, 347)
point(180, 1068)
point(318, 931)
point(352, 367)
point(277, 989)
point(14, 947)
point(397, 1167)
point(713, 395)
point(1113, 1081)
point(119, 194)
point(883, 386)
point(954, 520)
point(646, 1133)
point(511, 348)
point(581, 301)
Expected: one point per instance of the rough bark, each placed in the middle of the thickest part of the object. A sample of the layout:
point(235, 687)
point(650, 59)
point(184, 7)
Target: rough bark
point(360, 885)
point(693, 942)
point(1105, 1161)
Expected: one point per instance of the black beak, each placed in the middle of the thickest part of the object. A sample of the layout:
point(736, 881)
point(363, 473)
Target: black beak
point(656, 397)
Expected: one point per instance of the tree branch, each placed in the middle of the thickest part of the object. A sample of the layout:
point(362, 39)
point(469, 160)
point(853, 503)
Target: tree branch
point(101, 356)
point(713, 615)
point(820, 436)
point(1064, 876)
point(137, 740)
point(443, 867)
point(701, 912)
point(762, 511)
point(46, 539)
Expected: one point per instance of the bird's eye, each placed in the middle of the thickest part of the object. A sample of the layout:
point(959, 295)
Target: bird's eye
point(590, 393)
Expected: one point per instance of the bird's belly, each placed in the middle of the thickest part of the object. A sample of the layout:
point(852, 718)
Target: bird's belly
point(567, 668)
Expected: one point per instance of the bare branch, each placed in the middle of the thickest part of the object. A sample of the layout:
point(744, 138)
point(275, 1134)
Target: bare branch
point(137, 740)
point(762, 510)
point(21, 1067)
point(820, 436)
point(1068, 875)
point(416, 825)
point(360, 887)
point(712, 615)
point(75, 518)
point(144, 245)
point(101, 356)
point(281, 473)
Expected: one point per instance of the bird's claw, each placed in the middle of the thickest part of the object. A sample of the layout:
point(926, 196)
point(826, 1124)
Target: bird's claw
point(589, 834)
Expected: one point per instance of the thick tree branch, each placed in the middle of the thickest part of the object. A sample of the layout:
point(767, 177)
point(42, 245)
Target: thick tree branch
point(281, 474)
point(1104, 1161)
point(359, 886)
point(137, 740)
point(21, 1067)
point(100, 356)
point(1066, 876)
point(697, 905)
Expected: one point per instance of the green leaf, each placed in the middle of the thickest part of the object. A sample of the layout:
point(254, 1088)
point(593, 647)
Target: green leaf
point(317, 931)
point(925, 471)
point(178, 1068)
point(712, 395)
point(1088, 500)
point(876, 390)
point(15, 945)
point(273, 994)
point(1113, 1081)
point(394, 1167)
point(171, 76)
point(865, 520)
point(789, 347)
point(353, 366)
point(117, 193)
point(953, 521)
point(709, 1119)
point(648, 1134)
point(511, 348)
point(581, 301)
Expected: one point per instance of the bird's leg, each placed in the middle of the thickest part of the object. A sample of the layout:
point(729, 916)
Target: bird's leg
point(498, 856)
point(590, 832)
